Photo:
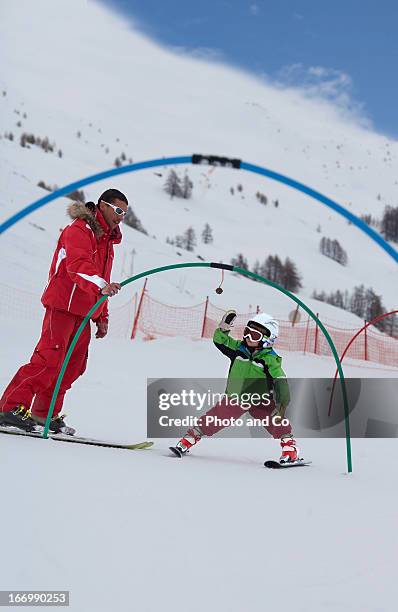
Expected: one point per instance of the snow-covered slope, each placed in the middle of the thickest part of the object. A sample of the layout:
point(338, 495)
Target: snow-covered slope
point(215, 532)
point(146, 531)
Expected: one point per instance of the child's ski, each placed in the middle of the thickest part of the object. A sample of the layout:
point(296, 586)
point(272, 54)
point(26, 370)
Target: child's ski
point(275, 465)
point(176, 451)
point(77, 439)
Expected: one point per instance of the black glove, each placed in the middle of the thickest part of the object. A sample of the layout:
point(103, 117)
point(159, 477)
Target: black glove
point(227, 321)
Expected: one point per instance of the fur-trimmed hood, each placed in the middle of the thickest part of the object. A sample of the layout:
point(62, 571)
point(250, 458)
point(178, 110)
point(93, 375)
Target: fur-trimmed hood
point(93, 217)
point(77, 210)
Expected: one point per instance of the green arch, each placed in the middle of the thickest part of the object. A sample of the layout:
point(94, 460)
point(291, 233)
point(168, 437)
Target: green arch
point(223, 267)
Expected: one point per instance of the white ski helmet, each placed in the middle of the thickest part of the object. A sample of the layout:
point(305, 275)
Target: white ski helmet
point(267, 322)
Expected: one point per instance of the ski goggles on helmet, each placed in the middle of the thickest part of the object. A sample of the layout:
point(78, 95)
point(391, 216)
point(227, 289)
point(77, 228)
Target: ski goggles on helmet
point(252, 334)
point(119, 211)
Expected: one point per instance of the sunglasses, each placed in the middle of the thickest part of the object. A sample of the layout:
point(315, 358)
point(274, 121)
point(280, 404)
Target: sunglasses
point(119, 211)
point(253, 334)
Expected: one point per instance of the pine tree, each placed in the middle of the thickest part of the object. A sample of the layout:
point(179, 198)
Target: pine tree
point(339, 299)
point(77, 196)
point(357, 301)
point(389, 223)
point(257, 267)
point(189, 239)
point(173, 185)
point(261, 198)
point(43, 185)
point(373, 307)
point(187, 186)
point(364, 303)
point(240, 261)
point(179, 242)
point(321, 296)
point(334, 250)
point(391, 326)
point(273, 269)
point(207, 234)
point(291, 279)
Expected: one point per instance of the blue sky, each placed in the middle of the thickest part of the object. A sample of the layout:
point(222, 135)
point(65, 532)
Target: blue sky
point(342, 50)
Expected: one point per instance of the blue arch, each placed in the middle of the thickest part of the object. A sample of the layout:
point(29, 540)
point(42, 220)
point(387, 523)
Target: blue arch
point(210, 160)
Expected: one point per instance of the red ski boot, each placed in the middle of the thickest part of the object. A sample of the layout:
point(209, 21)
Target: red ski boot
point(289, 450)
point(192, 437)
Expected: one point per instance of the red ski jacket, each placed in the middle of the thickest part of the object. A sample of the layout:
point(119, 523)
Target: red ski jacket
point(82, 264)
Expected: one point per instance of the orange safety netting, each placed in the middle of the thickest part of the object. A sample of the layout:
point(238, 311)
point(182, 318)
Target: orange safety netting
point(156, 319)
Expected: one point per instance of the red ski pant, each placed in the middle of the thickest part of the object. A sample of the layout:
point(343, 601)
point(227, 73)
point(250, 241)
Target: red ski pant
point(224, 410)
point(38, 377)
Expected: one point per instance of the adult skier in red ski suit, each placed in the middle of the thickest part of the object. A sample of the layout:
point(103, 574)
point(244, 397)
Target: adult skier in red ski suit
point(79, 274)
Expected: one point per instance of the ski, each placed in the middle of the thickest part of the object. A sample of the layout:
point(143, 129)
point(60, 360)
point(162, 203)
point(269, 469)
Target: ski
point(77, 439)
point(275, 465)
point(93, 442)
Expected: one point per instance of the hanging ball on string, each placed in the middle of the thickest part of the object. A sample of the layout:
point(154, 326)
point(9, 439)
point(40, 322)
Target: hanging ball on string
point(219, 290)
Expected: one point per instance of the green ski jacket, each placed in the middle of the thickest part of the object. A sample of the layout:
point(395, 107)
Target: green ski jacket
point(258, 371)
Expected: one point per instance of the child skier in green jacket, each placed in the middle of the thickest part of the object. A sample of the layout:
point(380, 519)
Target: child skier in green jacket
point(256, 372)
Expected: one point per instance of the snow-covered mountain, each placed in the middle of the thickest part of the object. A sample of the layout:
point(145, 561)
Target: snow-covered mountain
point(101, 90)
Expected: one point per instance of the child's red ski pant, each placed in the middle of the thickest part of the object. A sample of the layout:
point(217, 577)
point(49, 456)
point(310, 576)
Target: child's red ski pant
point(38, 377)
point(224, 410)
